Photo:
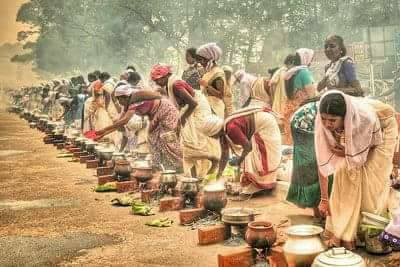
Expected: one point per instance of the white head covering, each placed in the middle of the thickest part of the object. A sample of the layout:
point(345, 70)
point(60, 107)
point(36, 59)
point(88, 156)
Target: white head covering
point(245, 81)
point(124, 90)
point(306, 55)
point(210, 51)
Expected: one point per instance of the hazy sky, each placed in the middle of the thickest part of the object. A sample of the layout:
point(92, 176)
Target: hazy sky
point(9, 27)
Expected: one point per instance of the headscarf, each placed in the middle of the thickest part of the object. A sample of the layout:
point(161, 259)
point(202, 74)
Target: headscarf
point(124, 90)
point(306, 56)
point(212, 125)
point(362, 131)
point(97, 86)
point(210, 51)
point(158, 71)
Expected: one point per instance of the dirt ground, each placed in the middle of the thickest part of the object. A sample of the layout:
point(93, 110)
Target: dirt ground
point(50, 215)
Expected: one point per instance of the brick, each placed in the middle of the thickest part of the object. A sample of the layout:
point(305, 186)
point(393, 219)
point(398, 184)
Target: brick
point(92, 164)
point(79, 154)
point(84, 159)
point(105, 179)
point(212, 234)
point(74, 149)
point(170, 204)
point(104, 171)
point(199, 200)
point(277, 258)
point(191, 215)
point(238, 258)
point(126, 186)
point(147, 195)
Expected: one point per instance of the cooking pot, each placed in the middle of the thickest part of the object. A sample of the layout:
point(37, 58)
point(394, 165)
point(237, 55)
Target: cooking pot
point(303, 244)
point(237, 216)
point(106, 154)
point(122, 168)
point(32, 125)
point(97, 150)
point(90, 146)
point(337, 257)
point(214, 197)
point(190, 186)
point(168, 178)
point(260, 234)
point(142, 170)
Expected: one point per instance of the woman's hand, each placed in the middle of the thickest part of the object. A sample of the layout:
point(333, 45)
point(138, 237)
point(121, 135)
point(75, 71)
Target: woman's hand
point(100, 132)
point(324, 208)
point(183, 120)
point(338, 150)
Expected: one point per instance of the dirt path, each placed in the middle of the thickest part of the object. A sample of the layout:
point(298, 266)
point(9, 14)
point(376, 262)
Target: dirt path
point(49, 214)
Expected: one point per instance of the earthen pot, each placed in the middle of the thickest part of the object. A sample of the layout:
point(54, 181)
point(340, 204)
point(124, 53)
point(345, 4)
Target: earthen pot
point(260, 234)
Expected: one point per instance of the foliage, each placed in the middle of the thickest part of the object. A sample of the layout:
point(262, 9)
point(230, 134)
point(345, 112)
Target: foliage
point(84, 35)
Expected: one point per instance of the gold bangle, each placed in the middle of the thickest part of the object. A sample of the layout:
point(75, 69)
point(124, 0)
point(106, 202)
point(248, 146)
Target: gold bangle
point(324, 199)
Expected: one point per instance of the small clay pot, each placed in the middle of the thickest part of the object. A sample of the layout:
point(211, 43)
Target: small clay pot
point(260, 234)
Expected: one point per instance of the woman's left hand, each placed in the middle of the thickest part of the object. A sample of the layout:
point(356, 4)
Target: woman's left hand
point(338, 150)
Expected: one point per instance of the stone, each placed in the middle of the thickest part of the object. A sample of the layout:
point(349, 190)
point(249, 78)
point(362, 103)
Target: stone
point(237, 258)
point(212, 234)
point(104, 171)
point(171, 204)
point(187, 216)
point(105, 179)
point(92, 164)
point(126, 186)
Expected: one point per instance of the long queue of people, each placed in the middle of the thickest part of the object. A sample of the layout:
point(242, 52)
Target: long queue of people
point(343, 143)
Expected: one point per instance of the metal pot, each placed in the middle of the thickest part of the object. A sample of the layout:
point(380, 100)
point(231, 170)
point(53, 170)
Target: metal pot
point(97, 150)
point(168, 178)
point(106, 154)
point(303, 244)
point(190, 186)
point(78, 141)
point(122, 168)
point(32, 125)
point(260, 234)
point(90, 146)
point(237, 216)
point(142, 170)
point(83, 144)
point(337, 257)
point(214, 197)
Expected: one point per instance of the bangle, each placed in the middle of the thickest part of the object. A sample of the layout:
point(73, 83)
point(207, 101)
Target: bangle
point(324, 199)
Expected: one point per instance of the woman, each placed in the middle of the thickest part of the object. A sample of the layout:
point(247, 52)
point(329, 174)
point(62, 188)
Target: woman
point(260, 93)
point(213, 82)
point(355, 140)
point(193, 73)
point(254, 137)
point(200, 152)
point(340, 72)
point(299, 86)
point(163, 126)
point(304, 190)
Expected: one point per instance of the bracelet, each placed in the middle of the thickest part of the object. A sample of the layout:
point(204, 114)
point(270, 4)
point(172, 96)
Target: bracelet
point(324, 199)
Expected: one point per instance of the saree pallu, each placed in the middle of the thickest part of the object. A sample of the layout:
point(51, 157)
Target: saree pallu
point(165, 120)
point(199, 149)
point(363, 188)
point(261, 164)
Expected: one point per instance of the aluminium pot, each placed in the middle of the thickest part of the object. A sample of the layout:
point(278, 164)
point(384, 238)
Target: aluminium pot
point(303, 244)
point(237, 216)
point(214, 197)
point(122, 168)
point(189, 186)
point(168, 178)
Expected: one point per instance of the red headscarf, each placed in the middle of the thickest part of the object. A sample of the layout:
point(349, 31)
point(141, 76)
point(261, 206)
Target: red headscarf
point(158, 71)
point(97, 85)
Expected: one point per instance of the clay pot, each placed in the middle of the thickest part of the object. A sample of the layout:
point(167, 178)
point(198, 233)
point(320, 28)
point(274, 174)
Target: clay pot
point(214, 197)
point(303, 244)
point(260, 234)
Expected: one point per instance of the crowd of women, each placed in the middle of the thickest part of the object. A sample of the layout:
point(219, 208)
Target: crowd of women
point(343, 143)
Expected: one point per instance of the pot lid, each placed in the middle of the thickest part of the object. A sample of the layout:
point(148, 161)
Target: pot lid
point(339, 257)
point(304, 230)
